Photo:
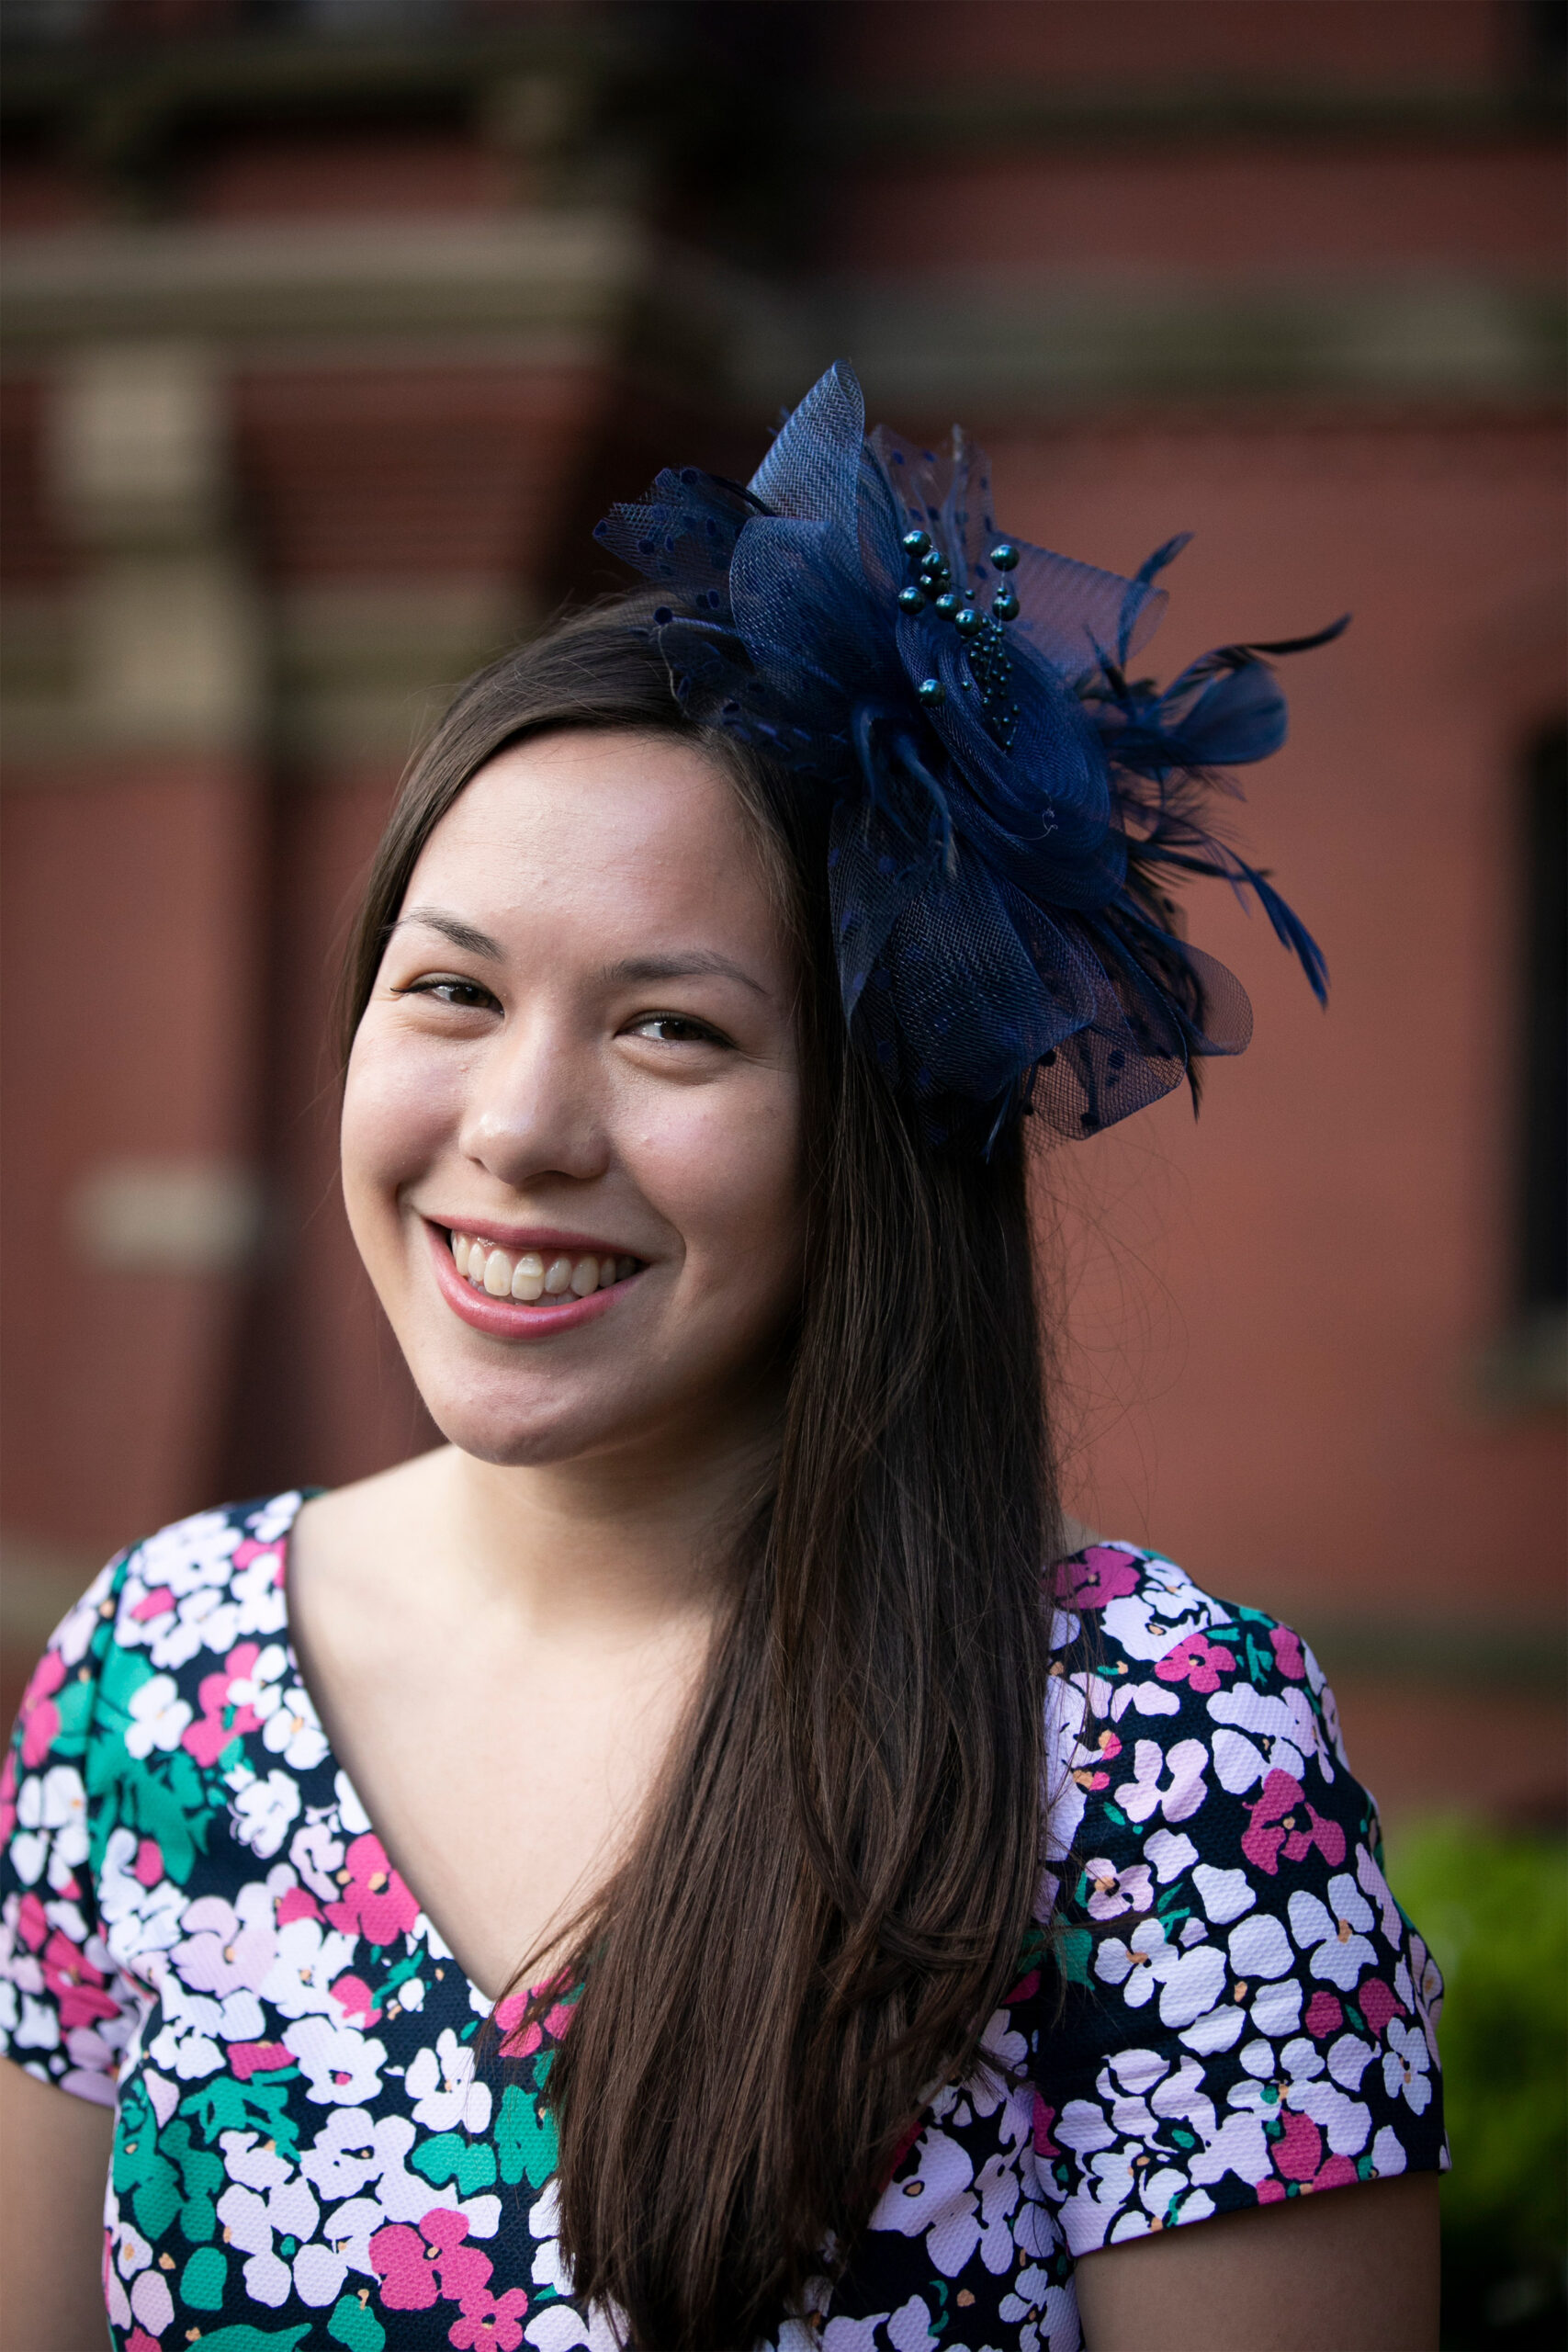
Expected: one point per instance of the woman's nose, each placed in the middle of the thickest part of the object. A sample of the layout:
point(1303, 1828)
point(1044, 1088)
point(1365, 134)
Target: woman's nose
point(536, 1108)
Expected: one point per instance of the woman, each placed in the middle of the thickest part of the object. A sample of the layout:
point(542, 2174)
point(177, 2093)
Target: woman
point(668, 1867)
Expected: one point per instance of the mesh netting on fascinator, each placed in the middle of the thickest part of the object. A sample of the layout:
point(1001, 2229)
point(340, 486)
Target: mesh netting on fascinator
point(1008, 810)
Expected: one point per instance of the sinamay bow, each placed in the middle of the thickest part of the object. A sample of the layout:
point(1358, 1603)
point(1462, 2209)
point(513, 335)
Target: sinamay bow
point(1008, 810)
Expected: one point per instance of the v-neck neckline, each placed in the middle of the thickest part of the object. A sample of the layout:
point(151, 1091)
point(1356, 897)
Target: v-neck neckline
point(427, 1927)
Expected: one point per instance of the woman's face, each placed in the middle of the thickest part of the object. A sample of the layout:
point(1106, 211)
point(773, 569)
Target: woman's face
point(572, 1137)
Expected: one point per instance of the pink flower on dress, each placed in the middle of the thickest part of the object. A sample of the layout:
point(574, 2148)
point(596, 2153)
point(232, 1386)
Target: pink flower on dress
point(1378, 2005)
point(356, 1999)
point(248, 2058)
point(419, 2268)
point(7, 1795)
point(37, 1715)
point(251, 1550)
point(375, 1903)
point(76, 1985)
point(487, 2322)
point(1298, 2156)
point(462, 2269)
point(1043, 2119)
point(1281, 1821)
point(1288, 1653)
point(507, 2018)
point(1324, 2015)
point(1101, 1575)
point(32, 1921)
point(406, 2267)
point(1196, 1660)
point(219, 1722)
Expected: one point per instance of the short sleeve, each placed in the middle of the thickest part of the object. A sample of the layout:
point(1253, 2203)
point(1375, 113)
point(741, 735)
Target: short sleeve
point(1247, 2013)
point(66, 2011)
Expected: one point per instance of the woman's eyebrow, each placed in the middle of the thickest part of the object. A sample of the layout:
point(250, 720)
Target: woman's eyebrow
point(691, 964)
point(461, 934)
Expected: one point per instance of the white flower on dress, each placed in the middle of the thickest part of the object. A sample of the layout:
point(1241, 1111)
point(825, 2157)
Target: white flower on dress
point(937, 2190)
point(1189, 1982)
point(193, 1551)
point(315, 2272)
point(262, 1811)
point(341, 2065)
point(1138, 1965)
point(1113, 1891)
point(441, 2083)
point(205, 1620)
point(1296, 2078)
point(1375, 1887)
point(1428, 1989)
point(1405, 2065)
point(1171, 1851)
point(1184, 1791)
point(1337, 1938)
point(51, 1814)
point(316, 1853)
point(1224, 1894)
point(310, 1958)
point(71, 1636)
point(158, 1716)
point(138, 1919)
point(292, 1732)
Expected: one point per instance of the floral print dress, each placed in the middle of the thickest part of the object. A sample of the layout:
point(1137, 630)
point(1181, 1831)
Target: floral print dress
point(200, 1927)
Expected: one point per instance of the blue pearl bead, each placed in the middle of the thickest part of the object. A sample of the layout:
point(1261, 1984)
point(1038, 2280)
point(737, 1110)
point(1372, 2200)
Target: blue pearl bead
point(967, 621)
point(915, 542)
point(947, 605)
point(912, 599)
point(930, 691)
point(1005, 556)
point(1004, 604)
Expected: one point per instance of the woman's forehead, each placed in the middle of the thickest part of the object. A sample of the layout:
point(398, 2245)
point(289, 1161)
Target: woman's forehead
point(635, 837)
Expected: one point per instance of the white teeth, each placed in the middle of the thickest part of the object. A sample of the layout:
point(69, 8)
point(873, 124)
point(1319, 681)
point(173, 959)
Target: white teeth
point(528, 1278)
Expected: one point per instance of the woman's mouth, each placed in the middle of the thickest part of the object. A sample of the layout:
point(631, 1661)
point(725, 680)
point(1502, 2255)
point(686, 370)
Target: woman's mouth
point(556, 1277)
point(519, 1293)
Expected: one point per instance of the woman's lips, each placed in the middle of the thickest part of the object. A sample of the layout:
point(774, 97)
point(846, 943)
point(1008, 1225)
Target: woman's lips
point(509, 1318)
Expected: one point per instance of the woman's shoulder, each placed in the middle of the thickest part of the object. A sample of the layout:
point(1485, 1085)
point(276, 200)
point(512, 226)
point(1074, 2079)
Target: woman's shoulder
point(205, 1582)
point(184, 1598)
point(1141, 1618)
point(1243, 1992)
point(1164, 1696)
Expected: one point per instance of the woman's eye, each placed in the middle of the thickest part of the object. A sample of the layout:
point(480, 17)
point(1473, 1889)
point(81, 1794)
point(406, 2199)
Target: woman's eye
point(464, 994)
point(674, 1029)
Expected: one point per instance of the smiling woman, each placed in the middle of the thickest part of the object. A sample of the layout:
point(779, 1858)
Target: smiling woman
point(705, 1859)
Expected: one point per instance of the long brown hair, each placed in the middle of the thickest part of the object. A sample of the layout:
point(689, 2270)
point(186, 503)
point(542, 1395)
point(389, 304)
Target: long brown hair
point(835, 1876)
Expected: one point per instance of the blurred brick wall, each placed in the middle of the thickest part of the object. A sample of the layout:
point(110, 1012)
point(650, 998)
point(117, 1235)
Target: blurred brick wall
point(329, 336)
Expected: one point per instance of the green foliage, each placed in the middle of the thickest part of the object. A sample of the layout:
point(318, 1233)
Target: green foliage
point(1493, 1909)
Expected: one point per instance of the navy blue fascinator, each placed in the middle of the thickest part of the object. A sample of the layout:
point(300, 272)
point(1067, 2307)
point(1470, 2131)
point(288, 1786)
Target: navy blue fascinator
point(1008, 809)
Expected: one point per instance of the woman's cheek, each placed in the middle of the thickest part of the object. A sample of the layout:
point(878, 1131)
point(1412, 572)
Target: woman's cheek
point(400, 1111)
point(724, 1171)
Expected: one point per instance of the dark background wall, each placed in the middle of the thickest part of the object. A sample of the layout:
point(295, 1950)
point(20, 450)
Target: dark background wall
point(332, 328)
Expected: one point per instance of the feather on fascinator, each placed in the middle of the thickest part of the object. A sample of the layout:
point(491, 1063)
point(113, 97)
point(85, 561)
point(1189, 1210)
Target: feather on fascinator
point(1008, 809)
